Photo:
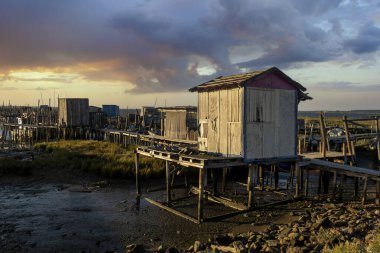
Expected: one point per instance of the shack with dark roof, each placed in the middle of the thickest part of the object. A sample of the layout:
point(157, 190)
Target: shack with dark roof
point(251, 115)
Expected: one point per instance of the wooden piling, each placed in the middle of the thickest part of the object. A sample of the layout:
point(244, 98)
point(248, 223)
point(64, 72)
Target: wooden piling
point(378, 138)
point(306, 184)
point(334, 183)
point(261, 177)
point(201, 194)
point(168, 184)
point(299, 179)
point(364, 196)
point(137, 168)
point(276, 177)
point(224, 178)
point(323, 134)
point(214, 175)
point(250, 185)
point(356, 187)
point(348, 139)
point(377, 198)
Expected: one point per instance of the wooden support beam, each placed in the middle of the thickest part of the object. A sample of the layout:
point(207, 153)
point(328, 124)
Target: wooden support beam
point(168, 183)
point(323, 134)
point(377, 198)
point(276, 177)
point(137, 172)
point(214, 175)
point(169, 209)
point(261, 177)
point(364, 196)
point(224, 179)
point(326, 182)
point(250, 185)
point(356, 187)
point(306, 184)
point(320, 175)
point(334, 183)
point(299, 179)
point(348, 138)
point(378, 138)
point(201, 194)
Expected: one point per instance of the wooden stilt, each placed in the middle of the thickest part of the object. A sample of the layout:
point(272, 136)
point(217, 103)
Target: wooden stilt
point(250, 185)
point(356, 187)
point(201, 193)
point(377, 198)
point(364, 196)
point(261, 176)
point(276, 177)
point(168, 184)
point(298, 182)
point(334, 183)
point(320, 173)
point(306, 185)
point(137, 168)
point(214, 176)
point(224, 178)
point(326, 182)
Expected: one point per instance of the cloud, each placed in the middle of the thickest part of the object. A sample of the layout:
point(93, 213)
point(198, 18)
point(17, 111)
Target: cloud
point(165, 46)
point(345, 86)
point(367, 39)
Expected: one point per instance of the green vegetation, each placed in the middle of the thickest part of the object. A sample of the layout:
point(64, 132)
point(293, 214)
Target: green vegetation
point(100, 158)
point(371, 246)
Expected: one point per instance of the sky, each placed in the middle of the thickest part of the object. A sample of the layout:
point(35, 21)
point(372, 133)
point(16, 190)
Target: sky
point(150, 52)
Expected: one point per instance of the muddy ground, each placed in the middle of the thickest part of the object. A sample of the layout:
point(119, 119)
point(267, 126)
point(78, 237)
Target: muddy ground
point(47, 213)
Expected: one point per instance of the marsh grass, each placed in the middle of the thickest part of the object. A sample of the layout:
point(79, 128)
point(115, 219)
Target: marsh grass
point(96, 157)
point(371, 246)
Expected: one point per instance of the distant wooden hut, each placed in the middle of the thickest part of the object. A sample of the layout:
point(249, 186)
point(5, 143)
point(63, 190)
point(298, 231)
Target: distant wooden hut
point(73, 112)
point(251, 115)
point(179, 122)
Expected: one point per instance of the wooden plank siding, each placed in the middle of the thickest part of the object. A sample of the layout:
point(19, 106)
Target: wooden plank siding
point(222, 110)
point(271, 118)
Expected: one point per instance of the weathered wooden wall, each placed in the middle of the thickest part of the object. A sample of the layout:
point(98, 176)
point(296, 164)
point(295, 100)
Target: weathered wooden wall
point(73, 112)
point(271, 123)
point(220, 116)
point(175, 125)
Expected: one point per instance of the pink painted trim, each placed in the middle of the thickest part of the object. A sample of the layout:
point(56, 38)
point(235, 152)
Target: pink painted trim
point(271, 81)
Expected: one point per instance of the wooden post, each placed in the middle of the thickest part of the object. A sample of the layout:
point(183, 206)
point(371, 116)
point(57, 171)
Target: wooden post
point(214, 175)
point(201, 193)
point(250, 185)
point(168, 184)
point(261, 176)
point(356, 187)
point(224, 178)
point(377, 199)
point(353, 157)
point(334, 183)
point(138, 185)
point(344, 150)
point(348, 139)
point(323, 134)
point(320, 175)
point(364, 197)
point(276, 177)
point(326, 182)
point(306, 186)
point(298, 182)
point(378, 138)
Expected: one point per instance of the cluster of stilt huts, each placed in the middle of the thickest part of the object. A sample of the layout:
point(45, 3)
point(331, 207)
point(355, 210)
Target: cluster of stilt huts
point(245, 123)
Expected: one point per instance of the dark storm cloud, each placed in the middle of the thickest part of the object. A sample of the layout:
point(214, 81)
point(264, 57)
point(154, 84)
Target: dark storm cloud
point(158, 45)
point(367, 39)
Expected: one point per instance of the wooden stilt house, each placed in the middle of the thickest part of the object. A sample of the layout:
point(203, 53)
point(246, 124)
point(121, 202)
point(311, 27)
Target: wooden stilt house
point(251, 115)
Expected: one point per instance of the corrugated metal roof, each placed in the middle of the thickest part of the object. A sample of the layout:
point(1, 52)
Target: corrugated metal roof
point(232, 81)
